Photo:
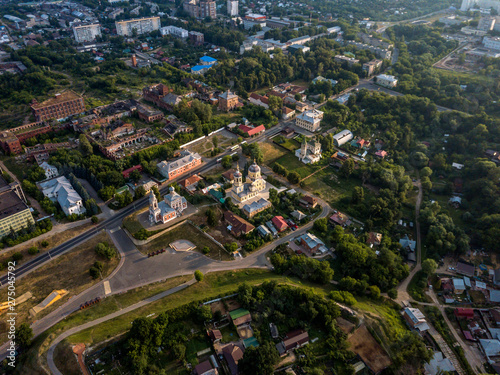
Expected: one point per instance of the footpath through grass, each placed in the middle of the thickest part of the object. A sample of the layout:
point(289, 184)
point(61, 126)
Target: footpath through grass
point(216, 284)
point(69, 271)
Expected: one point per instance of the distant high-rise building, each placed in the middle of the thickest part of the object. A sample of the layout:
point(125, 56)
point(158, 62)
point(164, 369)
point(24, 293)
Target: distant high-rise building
point(232, 8)
point(142, 25)
point(86, 33)
point(200, 8)
point(196, 37)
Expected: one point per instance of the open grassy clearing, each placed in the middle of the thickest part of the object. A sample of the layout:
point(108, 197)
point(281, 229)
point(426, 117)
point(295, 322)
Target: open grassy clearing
point(54, 241)
point(293, 164)
point(271, 152)
point(132, 224)
point(184, 231)
point(69, 271)
point(213, 285)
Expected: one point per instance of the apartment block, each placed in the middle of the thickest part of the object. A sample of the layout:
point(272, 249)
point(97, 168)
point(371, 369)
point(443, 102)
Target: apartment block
point(141, 25)
point(86, 33)
point(200, 8)
point(58, 107)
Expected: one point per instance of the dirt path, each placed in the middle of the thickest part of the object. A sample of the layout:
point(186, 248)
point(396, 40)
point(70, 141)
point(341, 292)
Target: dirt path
point(402, 288)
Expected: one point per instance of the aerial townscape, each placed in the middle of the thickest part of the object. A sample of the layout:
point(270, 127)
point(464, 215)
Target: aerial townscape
point(224, 187)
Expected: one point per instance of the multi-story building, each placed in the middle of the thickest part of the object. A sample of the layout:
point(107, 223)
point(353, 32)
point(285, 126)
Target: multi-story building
point(252, 209)
point(196, 37)
point(345, 59)
point(492, 42)
point(10, 143)
point(486, 23)
point(14, 213)
point(382, 53)
point(174, 31)
point(148, 114)
point(60, 106)
point(177, 167)
point(232, 8)
point(86, 33)
point(141, 25)
point(200, 8)
point(50, 170)
point(60, 190)
point(228, 101)
point(371, 66)
point(309, 120)
point(388, 80)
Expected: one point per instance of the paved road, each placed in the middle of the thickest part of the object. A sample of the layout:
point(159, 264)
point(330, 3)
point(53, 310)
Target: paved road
point(472, 354)
point(116, 219)
point(137, 270)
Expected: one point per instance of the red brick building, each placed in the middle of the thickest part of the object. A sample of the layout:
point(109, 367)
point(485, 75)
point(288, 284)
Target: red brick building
point(60, 106)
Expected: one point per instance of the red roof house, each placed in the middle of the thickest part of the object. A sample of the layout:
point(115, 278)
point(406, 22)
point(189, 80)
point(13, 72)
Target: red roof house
point(250, 130)
point(126, 172)
point(464, 313)
point(279, 223)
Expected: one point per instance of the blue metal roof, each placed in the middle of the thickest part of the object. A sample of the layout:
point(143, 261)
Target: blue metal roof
point(208, 59)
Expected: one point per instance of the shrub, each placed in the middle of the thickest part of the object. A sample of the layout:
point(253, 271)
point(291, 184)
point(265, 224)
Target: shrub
point(198, 275)
point(205, 250)
point(17, 256)
point(45, 243)
point(105, 251)
point(33, 250)
point(94, 219)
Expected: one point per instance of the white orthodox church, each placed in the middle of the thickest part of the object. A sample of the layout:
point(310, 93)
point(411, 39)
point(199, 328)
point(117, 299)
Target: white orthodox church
point(309, 152)
point(253, 186)
point(168, 209)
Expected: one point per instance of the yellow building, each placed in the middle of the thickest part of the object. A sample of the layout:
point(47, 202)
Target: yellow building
point(253, 186)
point(14, 214)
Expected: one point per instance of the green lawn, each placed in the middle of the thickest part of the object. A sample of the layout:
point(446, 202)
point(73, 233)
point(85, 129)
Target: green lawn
point(290, 144)
point(334, 189)
point(188, 232)
point(213, 285)
point(293, 164)
point(132, 224)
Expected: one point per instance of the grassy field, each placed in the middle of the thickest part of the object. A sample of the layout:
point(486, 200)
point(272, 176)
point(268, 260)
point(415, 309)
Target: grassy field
point(290, 144)
point(132, 224)
point(271, 152)
point(213, 285)
point(69, 271)
point(183, 231)
point(292, 163)
point(54, 240)
point(336, 190)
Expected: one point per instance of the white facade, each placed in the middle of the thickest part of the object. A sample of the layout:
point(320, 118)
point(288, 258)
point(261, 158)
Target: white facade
point(175, 31)
point(86, 33)
point(309, 152)
point(485, 4)
point(486, 23)
point(232, 8)
point(492, 42)
point(60, 190)
point(50, 170)
point(168, 209)
point(142, 25)
point(309, 120)
point(387, 80)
